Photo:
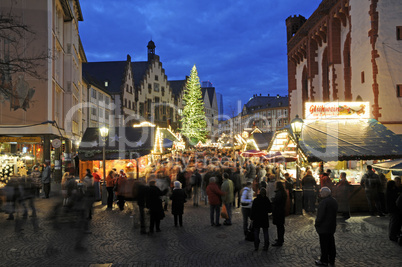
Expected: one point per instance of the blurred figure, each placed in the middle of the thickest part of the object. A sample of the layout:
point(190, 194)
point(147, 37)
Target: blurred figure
point(343, 190)
point(120, 182)
point(196, 180)
point(289, 184)
point(64, 187)
point(142, 197)
point(178, 198)
point(246, 204)
point(271, 187)
point(97, 180)
point(214, 198)
point(228, 197)
point(372, 185)
point(308, 186)
point(109, 187)
point(36, 177)
point(89, 194)
point(395, 214)
point(154, 204)
point(278, 212)
point(236, 179)
point(46, 179)
point(259, 215)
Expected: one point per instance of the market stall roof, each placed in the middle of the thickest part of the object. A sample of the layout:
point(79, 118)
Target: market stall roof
point(393, 165)
point(262, 140)
point(122, 143)
point(348, 139)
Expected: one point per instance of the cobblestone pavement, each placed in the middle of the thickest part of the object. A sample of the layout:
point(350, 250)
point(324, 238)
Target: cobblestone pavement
point(116, 241)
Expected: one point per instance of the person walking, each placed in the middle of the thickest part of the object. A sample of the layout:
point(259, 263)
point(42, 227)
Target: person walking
point(236, 179)
point(228, 197)
point(246, 204)
point(97, 180)
point(120, 183)
point(109, 187)
point(278, 212)
point(214, 198)
point(36, 180)
point(325, 225)
point(46, 179)
point(308, 186)
point(372, 185)
point(154, 204)
point(259, 215)
point(395, 214)
point(178, 198)
point(195, 181)
point(343, 190)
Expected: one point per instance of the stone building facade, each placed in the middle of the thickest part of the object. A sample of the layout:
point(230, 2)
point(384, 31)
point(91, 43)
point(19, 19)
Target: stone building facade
point(348, 50)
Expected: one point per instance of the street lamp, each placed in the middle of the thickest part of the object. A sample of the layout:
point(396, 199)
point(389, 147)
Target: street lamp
point(297, 126)
point(104, 132)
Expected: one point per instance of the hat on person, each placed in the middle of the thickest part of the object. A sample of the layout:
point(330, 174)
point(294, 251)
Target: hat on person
point(121, 170)
point(177, 185)
point(325, 192)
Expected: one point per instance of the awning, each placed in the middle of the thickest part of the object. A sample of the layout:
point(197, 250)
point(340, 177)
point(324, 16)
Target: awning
point(252, 153)
point(393, 165)
point(344, 139)
point(121, 143)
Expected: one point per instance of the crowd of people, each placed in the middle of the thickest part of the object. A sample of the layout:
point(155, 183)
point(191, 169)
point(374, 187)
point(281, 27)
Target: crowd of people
point(224, 181)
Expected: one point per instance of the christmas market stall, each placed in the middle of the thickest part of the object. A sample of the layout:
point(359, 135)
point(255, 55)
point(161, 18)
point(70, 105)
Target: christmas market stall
point(126, 148)
point(345, 140)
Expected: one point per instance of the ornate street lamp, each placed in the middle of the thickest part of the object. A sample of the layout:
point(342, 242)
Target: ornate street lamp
point(104, 132)
point(297, 126)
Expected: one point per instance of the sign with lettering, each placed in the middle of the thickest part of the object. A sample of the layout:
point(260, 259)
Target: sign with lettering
point(23, 139)
point(337, 110)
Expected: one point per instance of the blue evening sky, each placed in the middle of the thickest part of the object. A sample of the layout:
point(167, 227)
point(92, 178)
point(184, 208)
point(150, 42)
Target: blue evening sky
point(237, 45)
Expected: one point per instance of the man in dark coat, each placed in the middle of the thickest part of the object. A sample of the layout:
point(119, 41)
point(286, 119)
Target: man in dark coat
point(46, 179)
point(154, 204)
point(372, 185)
point(259, 214)
point(325, 225)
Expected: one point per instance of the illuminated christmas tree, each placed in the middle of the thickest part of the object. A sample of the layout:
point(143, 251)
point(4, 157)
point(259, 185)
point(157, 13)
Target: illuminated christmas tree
point(193, 118)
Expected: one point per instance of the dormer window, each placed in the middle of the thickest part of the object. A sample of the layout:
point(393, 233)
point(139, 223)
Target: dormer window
point(106, 83)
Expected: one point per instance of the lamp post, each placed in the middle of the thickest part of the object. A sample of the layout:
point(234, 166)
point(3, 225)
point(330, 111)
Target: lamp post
point(297, 126)
point(104, 131)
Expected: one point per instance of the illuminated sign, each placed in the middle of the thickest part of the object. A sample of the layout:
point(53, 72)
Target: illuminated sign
point(337, 110)
point(8, 139)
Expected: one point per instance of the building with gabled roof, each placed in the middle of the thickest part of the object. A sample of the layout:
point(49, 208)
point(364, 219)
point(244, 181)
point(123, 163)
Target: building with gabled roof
point(210, 108)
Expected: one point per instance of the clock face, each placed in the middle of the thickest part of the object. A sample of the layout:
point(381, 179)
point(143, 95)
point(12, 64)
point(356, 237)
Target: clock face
point(56, 143)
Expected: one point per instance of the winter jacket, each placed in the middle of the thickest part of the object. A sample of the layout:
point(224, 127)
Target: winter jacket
point(279, 204)
point(214, 194)
point(36, 179)
point(178, 198)
point(228, 188)
point(46, 175)
point(259, 212)
point(371, 181)
point(247, 197)
point(325, 222)
point(308, 182)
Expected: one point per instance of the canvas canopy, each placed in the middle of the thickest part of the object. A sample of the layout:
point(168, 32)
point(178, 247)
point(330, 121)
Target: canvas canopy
point(346, 139)
point(121, 143)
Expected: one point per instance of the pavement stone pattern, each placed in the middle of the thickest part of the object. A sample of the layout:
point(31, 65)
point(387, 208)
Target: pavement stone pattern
point(116, 241)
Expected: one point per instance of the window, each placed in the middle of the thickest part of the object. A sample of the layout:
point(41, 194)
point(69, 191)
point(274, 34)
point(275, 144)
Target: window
point(141, 109)
point(107, 100)
point(163, 91)
point(398, 32)
point(106, 83)
point(362, 76)
point(93, 93)
point(93, 111)
point(156, 77)
point(156, 87)
point(125, 102)
point(129, 104)
point(285, 112)
point(107, 114)
point(149, 88)
point(399, 90)
point(127, 88)
point(100, 97)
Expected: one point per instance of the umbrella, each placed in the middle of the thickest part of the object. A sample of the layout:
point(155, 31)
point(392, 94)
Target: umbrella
point(252, 153)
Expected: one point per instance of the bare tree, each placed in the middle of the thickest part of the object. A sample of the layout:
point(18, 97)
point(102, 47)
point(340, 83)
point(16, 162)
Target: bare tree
point(18, 57)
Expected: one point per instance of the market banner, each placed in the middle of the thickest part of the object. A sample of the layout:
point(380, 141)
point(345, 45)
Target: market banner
point(337, 110)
